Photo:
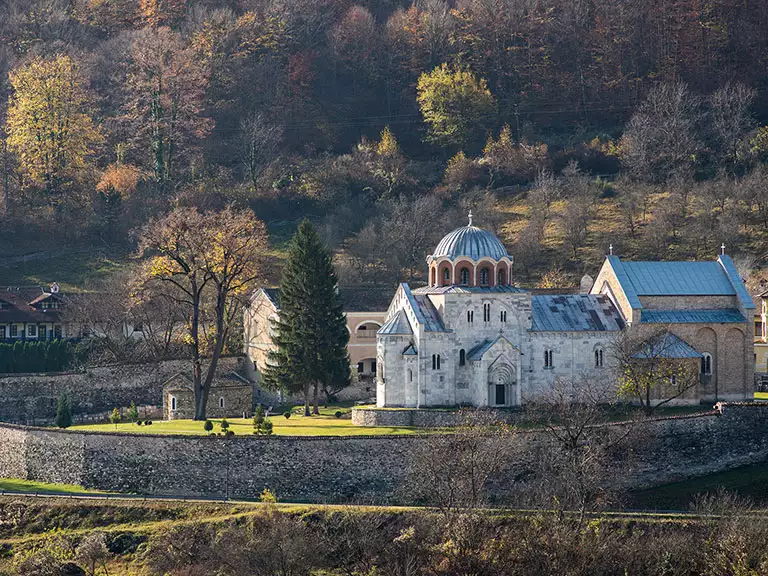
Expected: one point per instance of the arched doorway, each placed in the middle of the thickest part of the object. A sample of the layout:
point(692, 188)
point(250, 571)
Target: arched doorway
point(501, 382)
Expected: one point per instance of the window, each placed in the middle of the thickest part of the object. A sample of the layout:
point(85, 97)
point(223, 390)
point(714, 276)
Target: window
point(484, 277)
point(2, 331)
point(373, 366)
point(500, 280)
point(464, 276)
point(673, 379)
point(462, 357)
point(548, 359)
point(486, 312)
point(706, 363)
point(221, 402)
point(14, 331)
point(360, 367)
point(446, 275)
point(759, 329)
point(503, 315)
point(599, 358)
point(173, 403)
point(57, 330)
point(41, 330)
point(32, 330)
point(470, 316)
point(435, 361)
point(410, 375)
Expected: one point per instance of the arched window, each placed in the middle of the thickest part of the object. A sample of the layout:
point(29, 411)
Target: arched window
point(486, 312)
point(470, 316)
point(599, 358)
point(673, 379)
point(548, 359)
point(221, 402)
point(410, 375)
point(462, 357)
point(706, 363)
point(173, 402)
point(446, 275)
point(435, 361)
point(500, 280)
point(464, 276)
point(484, 277)
point(503, 316)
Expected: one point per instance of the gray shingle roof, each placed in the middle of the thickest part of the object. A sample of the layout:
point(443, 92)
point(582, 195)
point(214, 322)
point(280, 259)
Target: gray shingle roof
point(432, 320)
point(574, 313)
point(725, 315)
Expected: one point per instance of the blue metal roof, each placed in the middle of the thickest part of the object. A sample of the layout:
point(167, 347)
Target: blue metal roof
point(668, 345)
point(397, 325)
point(679, 279)
point(472, 242)
point(735, 279)
point(724, 315)
point(456, 289)
point(623, 278)
point(574, 313)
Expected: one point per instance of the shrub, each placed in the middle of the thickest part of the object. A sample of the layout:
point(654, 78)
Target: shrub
point(224, 425)
point(63, 412)
point(208, 426)
point(230, 433)
point(115, 417)
point(267, 428)
point(138, 422)
point(339, 414)
point(148, 423)
point(287, 414)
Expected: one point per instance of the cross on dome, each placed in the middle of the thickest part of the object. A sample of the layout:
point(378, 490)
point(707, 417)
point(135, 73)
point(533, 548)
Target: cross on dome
point(610, 249)
point(470, 217)
point(722, 249)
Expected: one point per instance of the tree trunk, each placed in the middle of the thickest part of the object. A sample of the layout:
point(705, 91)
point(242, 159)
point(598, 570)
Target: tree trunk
point(218, 346)
point(315, 407)
point(201, 395)
point(306, 400)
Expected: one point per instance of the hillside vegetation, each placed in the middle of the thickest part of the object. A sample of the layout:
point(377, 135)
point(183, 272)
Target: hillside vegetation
point(565, 126)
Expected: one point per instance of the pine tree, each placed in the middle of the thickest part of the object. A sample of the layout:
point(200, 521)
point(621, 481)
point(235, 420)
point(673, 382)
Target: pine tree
point(63, 412)
point(311, 335)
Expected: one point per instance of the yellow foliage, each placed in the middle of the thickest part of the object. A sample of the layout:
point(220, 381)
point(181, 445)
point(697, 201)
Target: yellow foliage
point(388, 146)
point(121, 178)
point(48, 124)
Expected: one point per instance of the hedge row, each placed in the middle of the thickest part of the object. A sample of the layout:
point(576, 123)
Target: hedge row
point(42, 356)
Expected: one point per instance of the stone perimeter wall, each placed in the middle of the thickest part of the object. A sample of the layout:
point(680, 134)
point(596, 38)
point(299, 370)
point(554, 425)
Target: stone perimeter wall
point(341, 469)
point(30, 397)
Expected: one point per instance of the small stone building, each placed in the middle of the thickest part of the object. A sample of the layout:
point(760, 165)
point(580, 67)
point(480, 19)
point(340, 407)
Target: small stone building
point(230, 396)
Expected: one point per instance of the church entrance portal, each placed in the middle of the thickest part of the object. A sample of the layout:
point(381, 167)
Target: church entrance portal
point(501, 382)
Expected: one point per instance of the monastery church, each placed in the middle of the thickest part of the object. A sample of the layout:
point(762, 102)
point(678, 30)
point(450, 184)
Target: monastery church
point(472, 338)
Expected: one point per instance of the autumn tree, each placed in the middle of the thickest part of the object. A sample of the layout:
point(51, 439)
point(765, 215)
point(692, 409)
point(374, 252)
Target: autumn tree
point(49, 123)
point(731, 123)
point(207, 264)
point(311, 334)
point(654, 366)
point(164, 101)
point(162, 12)
point(455, 104)
point(259, 144)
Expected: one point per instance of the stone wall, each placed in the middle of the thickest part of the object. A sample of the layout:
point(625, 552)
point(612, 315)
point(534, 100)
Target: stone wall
point(423, 418)
point(341, 469)
point(33, 397)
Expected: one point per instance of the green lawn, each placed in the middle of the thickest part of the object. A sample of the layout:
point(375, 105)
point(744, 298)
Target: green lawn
point(326, 424)
point(748, 481)
point(32, 487)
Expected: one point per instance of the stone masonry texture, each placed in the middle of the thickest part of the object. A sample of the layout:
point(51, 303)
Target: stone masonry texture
point(342, 469)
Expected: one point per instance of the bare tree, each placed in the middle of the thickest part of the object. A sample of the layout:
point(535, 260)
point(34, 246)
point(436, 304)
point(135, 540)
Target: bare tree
point(731, 122)
point(653, 366)
point(259, 144)
point(662, 137)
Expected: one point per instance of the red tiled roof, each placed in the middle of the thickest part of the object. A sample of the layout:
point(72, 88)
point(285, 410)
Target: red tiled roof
point(17, 305)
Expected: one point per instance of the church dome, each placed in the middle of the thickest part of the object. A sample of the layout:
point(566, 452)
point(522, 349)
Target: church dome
point(472, 242)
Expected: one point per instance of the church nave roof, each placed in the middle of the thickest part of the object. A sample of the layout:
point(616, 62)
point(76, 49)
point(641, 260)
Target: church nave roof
point(574, 313)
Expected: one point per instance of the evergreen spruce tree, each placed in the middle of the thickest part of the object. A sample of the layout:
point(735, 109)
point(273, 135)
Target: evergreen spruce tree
point(311, 335)
point(63, 412)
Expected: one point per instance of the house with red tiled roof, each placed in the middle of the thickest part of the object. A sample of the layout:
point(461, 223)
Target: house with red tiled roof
point(31, 313)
